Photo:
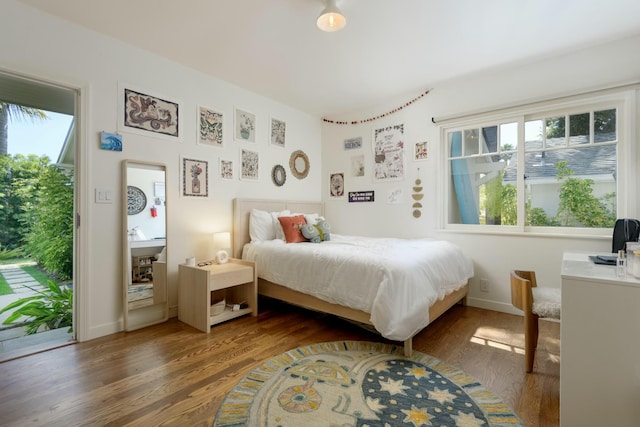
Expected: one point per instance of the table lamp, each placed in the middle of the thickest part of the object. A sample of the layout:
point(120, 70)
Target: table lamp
point(222, 242)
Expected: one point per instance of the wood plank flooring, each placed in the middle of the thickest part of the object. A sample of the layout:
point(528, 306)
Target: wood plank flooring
point(174, 375)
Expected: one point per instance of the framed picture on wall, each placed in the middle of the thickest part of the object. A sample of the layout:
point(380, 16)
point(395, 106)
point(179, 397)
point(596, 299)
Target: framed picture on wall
point(250, 165)
point(210, 127)
point(357, 165)
point(195, 177)
point(147, 113)
point(244, 126)
point(278, 132)
point(353, 143)
point(226, 168)
point(110, 141)
point(420, 151)
point(336, 184)
point(388, 152)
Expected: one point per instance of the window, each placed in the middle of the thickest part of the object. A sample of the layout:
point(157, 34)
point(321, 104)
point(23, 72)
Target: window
point(554, 166)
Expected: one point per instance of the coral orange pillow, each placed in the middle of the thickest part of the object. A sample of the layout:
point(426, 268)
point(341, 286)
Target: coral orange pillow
point(291, 226)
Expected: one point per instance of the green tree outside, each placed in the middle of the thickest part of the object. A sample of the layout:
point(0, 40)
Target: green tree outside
point(578, 206)
point(50, 238)
point(20, 179)
point(12, 112)
point(604, 122)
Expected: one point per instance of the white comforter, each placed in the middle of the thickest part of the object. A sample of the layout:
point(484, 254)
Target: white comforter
point(396, 280)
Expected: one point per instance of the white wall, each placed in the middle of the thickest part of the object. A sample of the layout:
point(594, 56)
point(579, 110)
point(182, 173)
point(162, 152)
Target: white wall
point(35, 44)
point(494, 255)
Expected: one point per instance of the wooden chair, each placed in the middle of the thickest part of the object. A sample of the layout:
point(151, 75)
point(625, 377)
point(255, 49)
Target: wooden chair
point(536, 303)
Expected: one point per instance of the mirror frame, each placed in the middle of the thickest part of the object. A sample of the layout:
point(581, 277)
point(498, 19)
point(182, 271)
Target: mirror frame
point(299, 154)
point(278, 175)
point(158, 310)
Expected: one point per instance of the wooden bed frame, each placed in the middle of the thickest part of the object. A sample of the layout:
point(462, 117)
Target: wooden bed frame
point(241, 210)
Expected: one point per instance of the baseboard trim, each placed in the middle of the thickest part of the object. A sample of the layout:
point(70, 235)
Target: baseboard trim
point(492, 305)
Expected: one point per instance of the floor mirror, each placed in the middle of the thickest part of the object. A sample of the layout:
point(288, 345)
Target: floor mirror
point(144, 249)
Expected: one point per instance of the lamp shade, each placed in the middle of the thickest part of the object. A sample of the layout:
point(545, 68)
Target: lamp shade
point(331, 18)
point(222, 240)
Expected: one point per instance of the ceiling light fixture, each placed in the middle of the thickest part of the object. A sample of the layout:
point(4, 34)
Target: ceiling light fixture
point(331, 18)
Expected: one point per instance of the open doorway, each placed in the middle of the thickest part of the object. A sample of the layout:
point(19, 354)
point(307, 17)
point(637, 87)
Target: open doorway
point(37, 205)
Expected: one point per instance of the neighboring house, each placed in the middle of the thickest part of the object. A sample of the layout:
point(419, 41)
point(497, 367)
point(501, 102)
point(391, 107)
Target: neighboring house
point(597, 163)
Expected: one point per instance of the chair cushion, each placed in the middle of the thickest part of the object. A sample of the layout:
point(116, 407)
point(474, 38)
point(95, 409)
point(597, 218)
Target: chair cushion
point(546, 302)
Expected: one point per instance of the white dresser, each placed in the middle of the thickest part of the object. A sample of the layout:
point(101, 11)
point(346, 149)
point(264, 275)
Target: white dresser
point(600, 345)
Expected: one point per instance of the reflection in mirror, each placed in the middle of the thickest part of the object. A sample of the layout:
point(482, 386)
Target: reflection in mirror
point(144, 244)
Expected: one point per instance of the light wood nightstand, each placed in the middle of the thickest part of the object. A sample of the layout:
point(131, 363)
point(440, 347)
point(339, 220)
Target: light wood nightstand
point(200, 287)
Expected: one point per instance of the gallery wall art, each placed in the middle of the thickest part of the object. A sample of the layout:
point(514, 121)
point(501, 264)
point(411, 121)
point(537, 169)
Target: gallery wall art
point(244, 126)
point(336, 184)
point(278, 132)
point(110, 141)
point(195, 177)
point(210, 127)
point(353, 143)
point(148, 114)
point(420, 151)
point(388, 152)
point(250, 162)
point(226, 168)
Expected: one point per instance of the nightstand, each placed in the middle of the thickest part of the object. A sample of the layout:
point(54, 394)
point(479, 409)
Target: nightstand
point(201, 287)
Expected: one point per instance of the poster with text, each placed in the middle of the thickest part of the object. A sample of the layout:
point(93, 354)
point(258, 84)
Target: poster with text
point(388, 152)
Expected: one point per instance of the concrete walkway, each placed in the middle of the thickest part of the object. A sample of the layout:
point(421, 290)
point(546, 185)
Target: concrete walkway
point(23, 285)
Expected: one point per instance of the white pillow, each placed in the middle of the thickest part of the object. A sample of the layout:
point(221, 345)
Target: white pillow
point(312, 218)
point(262, 225)
point(277, 227)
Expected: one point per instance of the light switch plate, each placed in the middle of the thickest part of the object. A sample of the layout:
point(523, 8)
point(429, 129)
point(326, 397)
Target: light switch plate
point(104, 195)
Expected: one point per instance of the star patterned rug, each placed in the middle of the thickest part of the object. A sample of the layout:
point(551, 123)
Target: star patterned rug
point(354, 383)
point(139, 292)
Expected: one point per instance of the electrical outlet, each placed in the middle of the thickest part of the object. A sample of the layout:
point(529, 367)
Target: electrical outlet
point(484, 285)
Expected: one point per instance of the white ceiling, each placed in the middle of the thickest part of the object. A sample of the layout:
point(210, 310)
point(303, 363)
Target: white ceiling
point(390, 49)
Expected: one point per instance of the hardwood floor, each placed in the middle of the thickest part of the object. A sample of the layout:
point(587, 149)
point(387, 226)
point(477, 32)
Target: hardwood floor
point(172, 374)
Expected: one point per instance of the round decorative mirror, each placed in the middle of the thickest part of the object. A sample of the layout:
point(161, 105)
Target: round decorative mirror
point(299, 164)
point(278, 175)
point(136, 200)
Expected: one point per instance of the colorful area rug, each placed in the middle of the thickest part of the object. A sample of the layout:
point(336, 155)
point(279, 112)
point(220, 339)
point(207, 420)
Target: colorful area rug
point(139, 292)
point(352, 383)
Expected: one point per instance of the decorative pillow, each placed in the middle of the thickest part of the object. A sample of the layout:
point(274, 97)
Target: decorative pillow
point(279, 234)
point(261, 226)
point(291, 226)
point(313, 218)
point(311, 233)
point(325, 229)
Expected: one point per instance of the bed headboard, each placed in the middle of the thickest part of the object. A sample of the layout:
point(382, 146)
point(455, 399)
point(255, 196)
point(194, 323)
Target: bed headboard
point(242, 209)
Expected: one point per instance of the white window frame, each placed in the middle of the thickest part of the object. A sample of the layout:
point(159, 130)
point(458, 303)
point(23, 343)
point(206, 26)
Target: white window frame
point(625, 103)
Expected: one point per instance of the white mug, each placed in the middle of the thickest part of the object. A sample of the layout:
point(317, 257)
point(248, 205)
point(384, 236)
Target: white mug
point(191, 261)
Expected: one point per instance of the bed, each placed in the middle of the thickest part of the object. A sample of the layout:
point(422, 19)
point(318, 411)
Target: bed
point(375, 310)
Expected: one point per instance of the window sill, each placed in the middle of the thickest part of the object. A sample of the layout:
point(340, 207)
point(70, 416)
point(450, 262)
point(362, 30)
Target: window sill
point(538, 234)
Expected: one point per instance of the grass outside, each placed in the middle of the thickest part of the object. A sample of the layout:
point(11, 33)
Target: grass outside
point(7, 257)
point(40, 276)
point(5, 289)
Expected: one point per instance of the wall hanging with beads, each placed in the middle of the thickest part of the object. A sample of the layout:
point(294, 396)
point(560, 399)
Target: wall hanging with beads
point(417, 197)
